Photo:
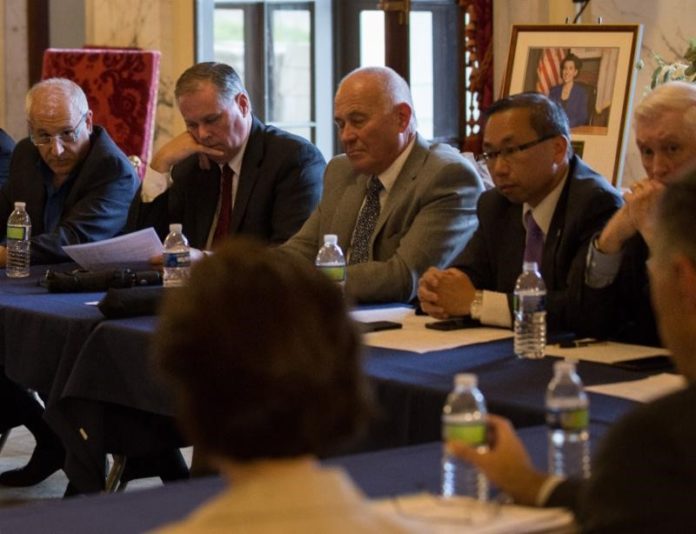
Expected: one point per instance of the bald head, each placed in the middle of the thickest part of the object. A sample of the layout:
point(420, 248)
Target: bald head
point(375, 118)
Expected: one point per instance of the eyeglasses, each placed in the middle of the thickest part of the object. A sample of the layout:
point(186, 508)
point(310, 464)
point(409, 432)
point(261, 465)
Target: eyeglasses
point(489, 157)
point(65, 137)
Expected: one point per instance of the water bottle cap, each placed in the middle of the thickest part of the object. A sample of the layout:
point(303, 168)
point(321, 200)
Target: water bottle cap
point(175, 227)
point(465, 380)
point(20, 205)
point(330, 239)
point(530, 266)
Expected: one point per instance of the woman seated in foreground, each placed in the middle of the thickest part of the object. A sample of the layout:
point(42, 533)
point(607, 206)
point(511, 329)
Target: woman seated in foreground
point(264, 361)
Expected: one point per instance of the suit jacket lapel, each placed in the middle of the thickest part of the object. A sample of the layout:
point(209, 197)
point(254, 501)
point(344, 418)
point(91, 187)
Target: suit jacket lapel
point(250, 164)
point(403, 182)
point(553, 238)
point(346, 214)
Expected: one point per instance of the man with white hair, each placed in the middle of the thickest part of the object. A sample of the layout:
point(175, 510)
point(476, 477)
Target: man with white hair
point(77, 185)
point(665, 131)
point(397, 203)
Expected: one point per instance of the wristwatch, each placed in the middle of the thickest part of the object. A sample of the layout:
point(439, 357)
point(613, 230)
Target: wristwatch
point(476, 305)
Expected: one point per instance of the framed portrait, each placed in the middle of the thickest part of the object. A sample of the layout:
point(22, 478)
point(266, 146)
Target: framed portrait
point(591, 71)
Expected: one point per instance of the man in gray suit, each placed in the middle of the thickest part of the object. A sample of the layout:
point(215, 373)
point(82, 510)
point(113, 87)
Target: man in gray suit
point(397, 203)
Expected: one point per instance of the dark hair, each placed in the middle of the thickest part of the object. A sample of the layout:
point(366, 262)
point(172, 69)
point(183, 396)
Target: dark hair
point(224, 77)
point(571, 57)
point(546, 117)
point(676, 218)
point(263, 356)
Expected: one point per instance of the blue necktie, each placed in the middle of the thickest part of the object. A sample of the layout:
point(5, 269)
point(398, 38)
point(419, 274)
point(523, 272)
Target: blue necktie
point(365, 224)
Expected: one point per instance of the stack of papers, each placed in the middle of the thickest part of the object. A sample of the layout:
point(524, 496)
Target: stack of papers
point(606, 352)
point(464, 515)
point(643, 390)
point(415, 337)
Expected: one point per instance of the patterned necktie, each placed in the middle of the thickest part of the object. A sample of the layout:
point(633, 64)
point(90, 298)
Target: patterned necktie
point(223, 222)
point(365, 224)
point(534, 246)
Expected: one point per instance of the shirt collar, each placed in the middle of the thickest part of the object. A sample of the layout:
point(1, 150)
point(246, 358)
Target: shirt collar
point(236, 162)
point(543, 213)
point(389, 176)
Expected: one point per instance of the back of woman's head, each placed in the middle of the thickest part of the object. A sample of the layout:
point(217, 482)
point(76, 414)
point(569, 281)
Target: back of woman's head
point(263, 356)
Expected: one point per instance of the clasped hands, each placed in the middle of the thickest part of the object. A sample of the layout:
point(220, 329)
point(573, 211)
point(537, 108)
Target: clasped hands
point(447, 293)
point(635, 216)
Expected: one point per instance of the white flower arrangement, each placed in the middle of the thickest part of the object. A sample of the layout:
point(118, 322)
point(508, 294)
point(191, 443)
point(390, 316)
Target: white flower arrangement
point(683, 69)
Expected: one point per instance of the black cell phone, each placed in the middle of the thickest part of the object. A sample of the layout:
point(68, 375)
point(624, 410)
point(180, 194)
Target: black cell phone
point(377, 326)
point(651, 363)
point(456, 323)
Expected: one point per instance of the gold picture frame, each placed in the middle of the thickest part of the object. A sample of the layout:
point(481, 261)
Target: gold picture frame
point(604, 59)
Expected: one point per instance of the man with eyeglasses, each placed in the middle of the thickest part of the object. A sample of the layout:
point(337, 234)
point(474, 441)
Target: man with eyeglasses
point(77, 185)
point(546, 206)
point(228, 173)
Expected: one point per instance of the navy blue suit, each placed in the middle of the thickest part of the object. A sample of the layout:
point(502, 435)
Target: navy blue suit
point(279, 186)
point(493, 257)
point(6, 146)
point(96, 207)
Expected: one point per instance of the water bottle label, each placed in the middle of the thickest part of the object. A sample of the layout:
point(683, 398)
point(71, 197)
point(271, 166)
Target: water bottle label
point(337, 273)
point(573, 420)
point(176, 259)
point(20, 233)
point(529, 303)
point(471, 434)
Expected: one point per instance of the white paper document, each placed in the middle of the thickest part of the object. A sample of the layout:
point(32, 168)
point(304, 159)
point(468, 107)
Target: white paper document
point(129, 250)
point(415, 337)
point(643, 390)
point(431, 513)
point(606, 352)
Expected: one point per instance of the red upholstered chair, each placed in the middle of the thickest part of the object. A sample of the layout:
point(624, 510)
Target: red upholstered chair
point(121, 88)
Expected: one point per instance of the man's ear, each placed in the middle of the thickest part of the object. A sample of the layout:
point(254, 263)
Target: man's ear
point(560, 148)
point(244, 103)
point(404, 114)
point(89, 121)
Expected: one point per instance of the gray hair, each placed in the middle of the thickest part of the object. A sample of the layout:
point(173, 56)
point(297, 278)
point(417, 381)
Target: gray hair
point(221, 75)
point(672, 96)
point(72, 92)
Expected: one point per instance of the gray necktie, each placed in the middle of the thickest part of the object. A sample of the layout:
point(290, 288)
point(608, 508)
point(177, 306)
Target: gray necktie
point(534, 246)
point(365, 224)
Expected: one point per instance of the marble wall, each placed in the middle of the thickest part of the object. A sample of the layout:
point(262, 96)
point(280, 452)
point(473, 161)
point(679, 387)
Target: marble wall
point(14, 67)
point(666, 31)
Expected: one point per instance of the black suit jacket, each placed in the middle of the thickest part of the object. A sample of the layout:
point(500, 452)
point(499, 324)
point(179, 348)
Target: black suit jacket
point(96, 207)
point(644, 473)
point(493, 258)
point(6, 147)
point(279, 186)
point(627, 314)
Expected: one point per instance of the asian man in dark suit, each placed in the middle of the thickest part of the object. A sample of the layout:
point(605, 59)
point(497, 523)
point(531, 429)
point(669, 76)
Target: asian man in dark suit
point(644, 472)
point(228, 172)
point(541, 188)
point(421, 196)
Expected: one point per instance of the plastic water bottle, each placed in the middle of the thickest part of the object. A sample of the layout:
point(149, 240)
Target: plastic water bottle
point(567, 417)
point(176, 258)
point(530, 313)
point(331, 261)
point(18, 242)
point(464, 420)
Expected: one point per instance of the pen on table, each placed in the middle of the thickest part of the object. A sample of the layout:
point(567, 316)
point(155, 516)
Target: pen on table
point(584, 342)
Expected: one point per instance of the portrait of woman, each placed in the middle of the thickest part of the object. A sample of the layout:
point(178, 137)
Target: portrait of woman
point(570, 94)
